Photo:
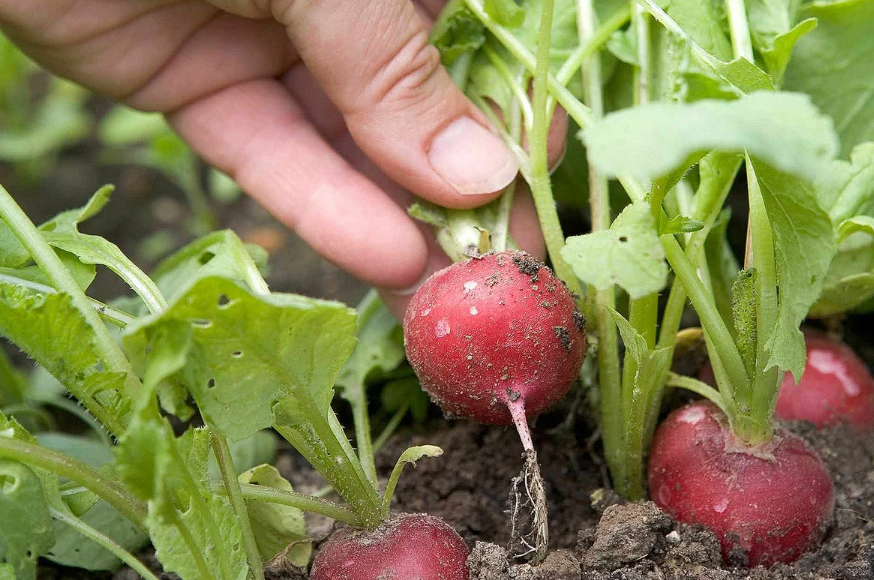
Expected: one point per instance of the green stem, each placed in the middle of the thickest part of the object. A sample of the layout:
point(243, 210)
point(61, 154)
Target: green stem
point(51, 265)
point(103, 541)
point(391, 427)
point(706, 309)
point(300, 501)
point(108, 313)
point(696, 386)
point(232, 486)
point(541, 189)
point(78, 472)
point(320, 445)
point(360, 417)
point(246, 264)
point(610, 386)
point(739, 29)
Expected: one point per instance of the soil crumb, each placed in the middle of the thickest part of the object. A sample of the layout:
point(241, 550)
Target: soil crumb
point(528, 265)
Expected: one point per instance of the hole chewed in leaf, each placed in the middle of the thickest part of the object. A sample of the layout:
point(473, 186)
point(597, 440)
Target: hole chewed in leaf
point(201, 323)
point(210, 384)
point(223, 301)
point(205, 258)
point(237, 354)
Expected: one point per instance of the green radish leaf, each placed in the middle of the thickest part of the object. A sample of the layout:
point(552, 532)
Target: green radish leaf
point(216, 254)
point(7, 572)
point(400, 392)
point(125, 126)
point(53, 332)
point(73, 549)
point(745, 316)
point(680, 224)
point(13, 384)
point(774, 32)
point(834, 64)
point(87, 450)
point(190, 526)
point(12, 253)
point(276, 526)
point(248, 352)
point(380, 348)
point(505, 12)
point(62, 232)
point(457, 31)
point(804, 247)
point(26, 526)
point(629, 254)
point(846, 191)
point(779, 128)
point(722, 264)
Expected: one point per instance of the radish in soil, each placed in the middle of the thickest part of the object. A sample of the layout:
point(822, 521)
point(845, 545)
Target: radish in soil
point(836, 387)
point(497, 339)
point(766, 503)
point(394, 550)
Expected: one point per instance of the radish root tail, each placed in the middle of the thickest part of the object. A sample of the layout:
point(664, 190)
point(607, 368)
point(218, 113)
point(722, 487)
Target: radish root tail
point(529, 534)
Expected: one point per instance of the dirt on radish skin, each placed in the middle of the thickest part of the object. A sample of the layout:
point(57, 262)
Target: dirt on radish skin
point(489, 331)
point(768, 503)
point(406, 546)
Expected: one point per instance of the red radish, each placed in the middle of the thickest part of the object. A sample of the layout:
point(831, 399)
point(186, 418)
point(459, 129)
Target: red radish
point(767, 503)
point(499, 339)
point(491, 335)
point(836, 387)
point(406, 546)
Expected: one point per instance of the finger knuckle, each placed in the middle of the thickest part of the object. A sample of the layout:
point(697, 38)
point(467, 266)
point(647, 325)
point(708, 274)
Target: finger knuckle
point(404, 79)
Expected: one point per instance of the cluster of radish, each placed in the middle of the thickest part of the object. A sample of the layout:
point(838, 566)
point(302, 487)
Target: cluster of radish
point(497, 339)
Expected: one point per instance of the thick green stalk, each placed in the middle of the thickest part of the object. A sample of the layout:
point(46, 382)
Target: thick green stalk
point(739, 29)
point(610, 386)
point(319, 444)
point(300, 501)
point(706, 309)
point(541, 189)
point(104, 541)
point(104, 488)
point(51, 265)
point(232, 486)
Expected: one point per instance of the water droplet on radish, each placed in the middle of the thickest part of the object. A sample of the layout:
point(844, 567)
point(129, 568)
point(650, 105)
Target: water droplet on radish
point(691, 415)
point(468, 286)
point(826, 363)
point(721, 506)
point(473, 311)
point(425, 312)
point(442, 328)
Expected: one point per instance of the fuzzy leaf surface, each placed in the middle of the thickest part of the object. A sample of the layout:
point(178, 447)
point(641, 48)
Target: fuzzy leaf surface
point(782, 129)
point(26, 526)
point(834, 64)
point(248, 352)
point(629, 254)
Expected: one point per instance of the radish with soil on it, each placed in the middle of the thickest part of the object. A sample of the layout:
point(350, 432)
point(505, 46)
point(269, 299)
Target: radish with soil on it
point(497, 339)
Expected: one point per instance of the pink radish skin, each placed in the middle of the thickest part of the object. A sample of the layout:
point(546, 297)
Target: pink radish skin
point(492, 334)
point(406, 546)
point(768, 503)
point(836, 387)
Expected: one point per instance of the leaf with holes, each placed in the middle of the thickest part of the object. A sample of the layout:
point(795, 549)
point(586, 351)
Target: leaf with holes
point(26, 526)
point(629, 254)
point(247, 352)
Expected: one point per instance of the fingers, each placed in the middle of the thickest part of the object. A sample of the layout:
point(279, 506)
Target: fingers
point(524, 229)
point(374, 62)
point(281, 161)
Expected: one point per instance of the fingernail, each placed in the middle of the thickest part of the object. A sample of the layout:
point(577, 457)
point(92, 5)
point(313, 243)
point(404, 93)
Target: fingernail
point(472, 159)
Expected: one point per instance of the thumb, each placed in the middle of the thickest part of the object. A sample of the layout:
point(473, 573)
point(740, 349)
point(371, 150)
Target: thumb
point(374, 62)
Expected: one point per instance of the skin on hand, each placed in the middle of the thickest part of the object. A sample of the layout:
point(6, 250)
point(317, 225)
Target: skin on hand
point(329, 113)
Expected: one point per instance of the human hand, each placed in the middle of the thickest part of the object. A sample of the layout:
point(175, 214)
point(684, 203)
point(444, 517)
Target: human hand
point(329, 113)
